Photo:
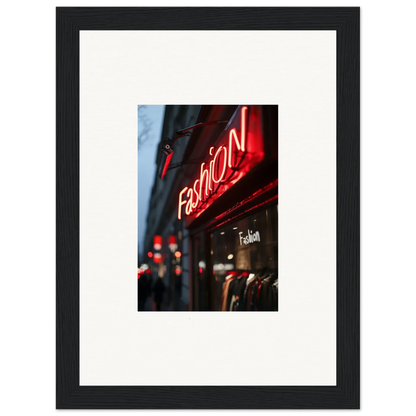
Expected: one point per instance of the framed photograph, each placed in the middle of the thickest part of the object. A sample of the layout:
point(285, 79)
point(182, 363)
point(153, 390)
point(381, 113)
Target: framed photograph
point(208, 161)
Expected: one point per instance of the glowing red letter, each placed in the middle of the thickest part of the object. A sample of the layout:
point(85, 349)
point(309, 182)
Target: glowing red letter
point(223, 166)
point(190, 196)
point(203, 175)
point(241, 145)
point(196, 194)
point(211, 172)
point(181, 202)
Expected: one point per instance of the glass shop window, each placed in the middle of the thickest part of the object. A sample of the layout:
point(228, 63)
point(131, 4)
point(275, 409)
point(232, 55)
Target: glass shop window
point(199, 271)
point(249, 245)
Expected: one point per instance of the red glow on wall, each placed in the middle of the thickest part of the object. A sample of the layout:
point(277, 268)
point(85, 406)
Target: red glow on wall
point(238, 149)
point(165, 168)
point(201, 270)
point(150, 254)
point(261, 191)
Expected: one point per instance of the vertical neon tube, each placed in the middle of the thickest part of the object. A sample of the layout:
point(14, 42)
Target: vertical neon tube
point(188, 208)
point(244, 111)
point(181, 202)
point(196, 193)
point(203, 175)
point(211, 172)
point(211, 169)
point(223, 166)
point(233, 137)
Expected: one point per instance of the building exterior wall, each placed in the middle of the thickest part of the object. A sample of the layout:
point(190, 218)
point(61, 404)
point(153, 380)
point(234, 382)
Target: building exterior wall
point(162, 214)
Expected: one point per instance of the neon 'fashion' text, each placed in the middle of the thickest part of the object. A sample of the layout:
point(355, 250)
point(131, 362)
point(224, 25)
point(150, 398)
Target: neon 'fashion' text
point(214, 172)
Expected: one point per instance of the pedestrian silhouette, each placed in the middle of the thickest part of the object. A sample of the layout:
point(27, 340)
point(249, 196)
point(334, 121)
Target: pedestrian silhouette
point(143, 291)
point(158, 291)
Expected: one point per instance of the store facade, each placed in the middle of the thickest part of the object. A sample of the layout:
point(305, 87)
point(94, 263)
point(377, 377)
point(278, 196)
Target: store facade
point(221, 209)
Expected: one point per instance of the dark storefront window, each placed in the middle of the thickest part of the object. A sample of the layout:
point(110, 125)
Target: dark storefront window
point(200, 273)
point(248, 245)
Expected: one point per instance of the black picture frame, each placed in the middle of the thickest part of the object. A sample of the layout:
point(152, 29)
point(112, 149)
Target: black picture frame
point(346, 394)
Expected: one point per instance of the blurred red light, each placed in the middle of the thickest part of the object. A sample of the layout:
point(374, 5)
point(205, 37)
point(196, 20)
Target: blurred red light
point(200, 270)
point(150, 254)
point(148, 271)
point(157, 242)
point(178, 254)
point(172, 243)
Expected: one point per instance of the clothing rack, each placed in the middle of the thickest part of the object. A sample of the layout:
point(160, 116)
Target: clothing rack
point(244, 292)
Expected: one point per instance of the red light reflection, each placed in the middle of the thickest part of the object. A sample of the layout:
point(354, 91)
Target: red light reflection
point(165, 168)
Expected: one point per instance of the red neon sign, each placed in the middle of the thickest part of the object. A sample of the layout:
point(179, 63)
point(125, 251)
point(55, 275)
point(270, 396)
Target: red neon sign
point(237, 151)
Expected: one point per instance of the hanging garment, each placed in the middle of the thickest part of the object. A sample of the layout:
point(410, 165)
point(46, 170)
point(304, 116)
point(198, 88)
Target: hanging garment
point(248, 294)
point(225, 289)
point(236, 293)
point(267, 295)
point(254, 305)
point(264, 298)
point(275, 287)
point(263, 293)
